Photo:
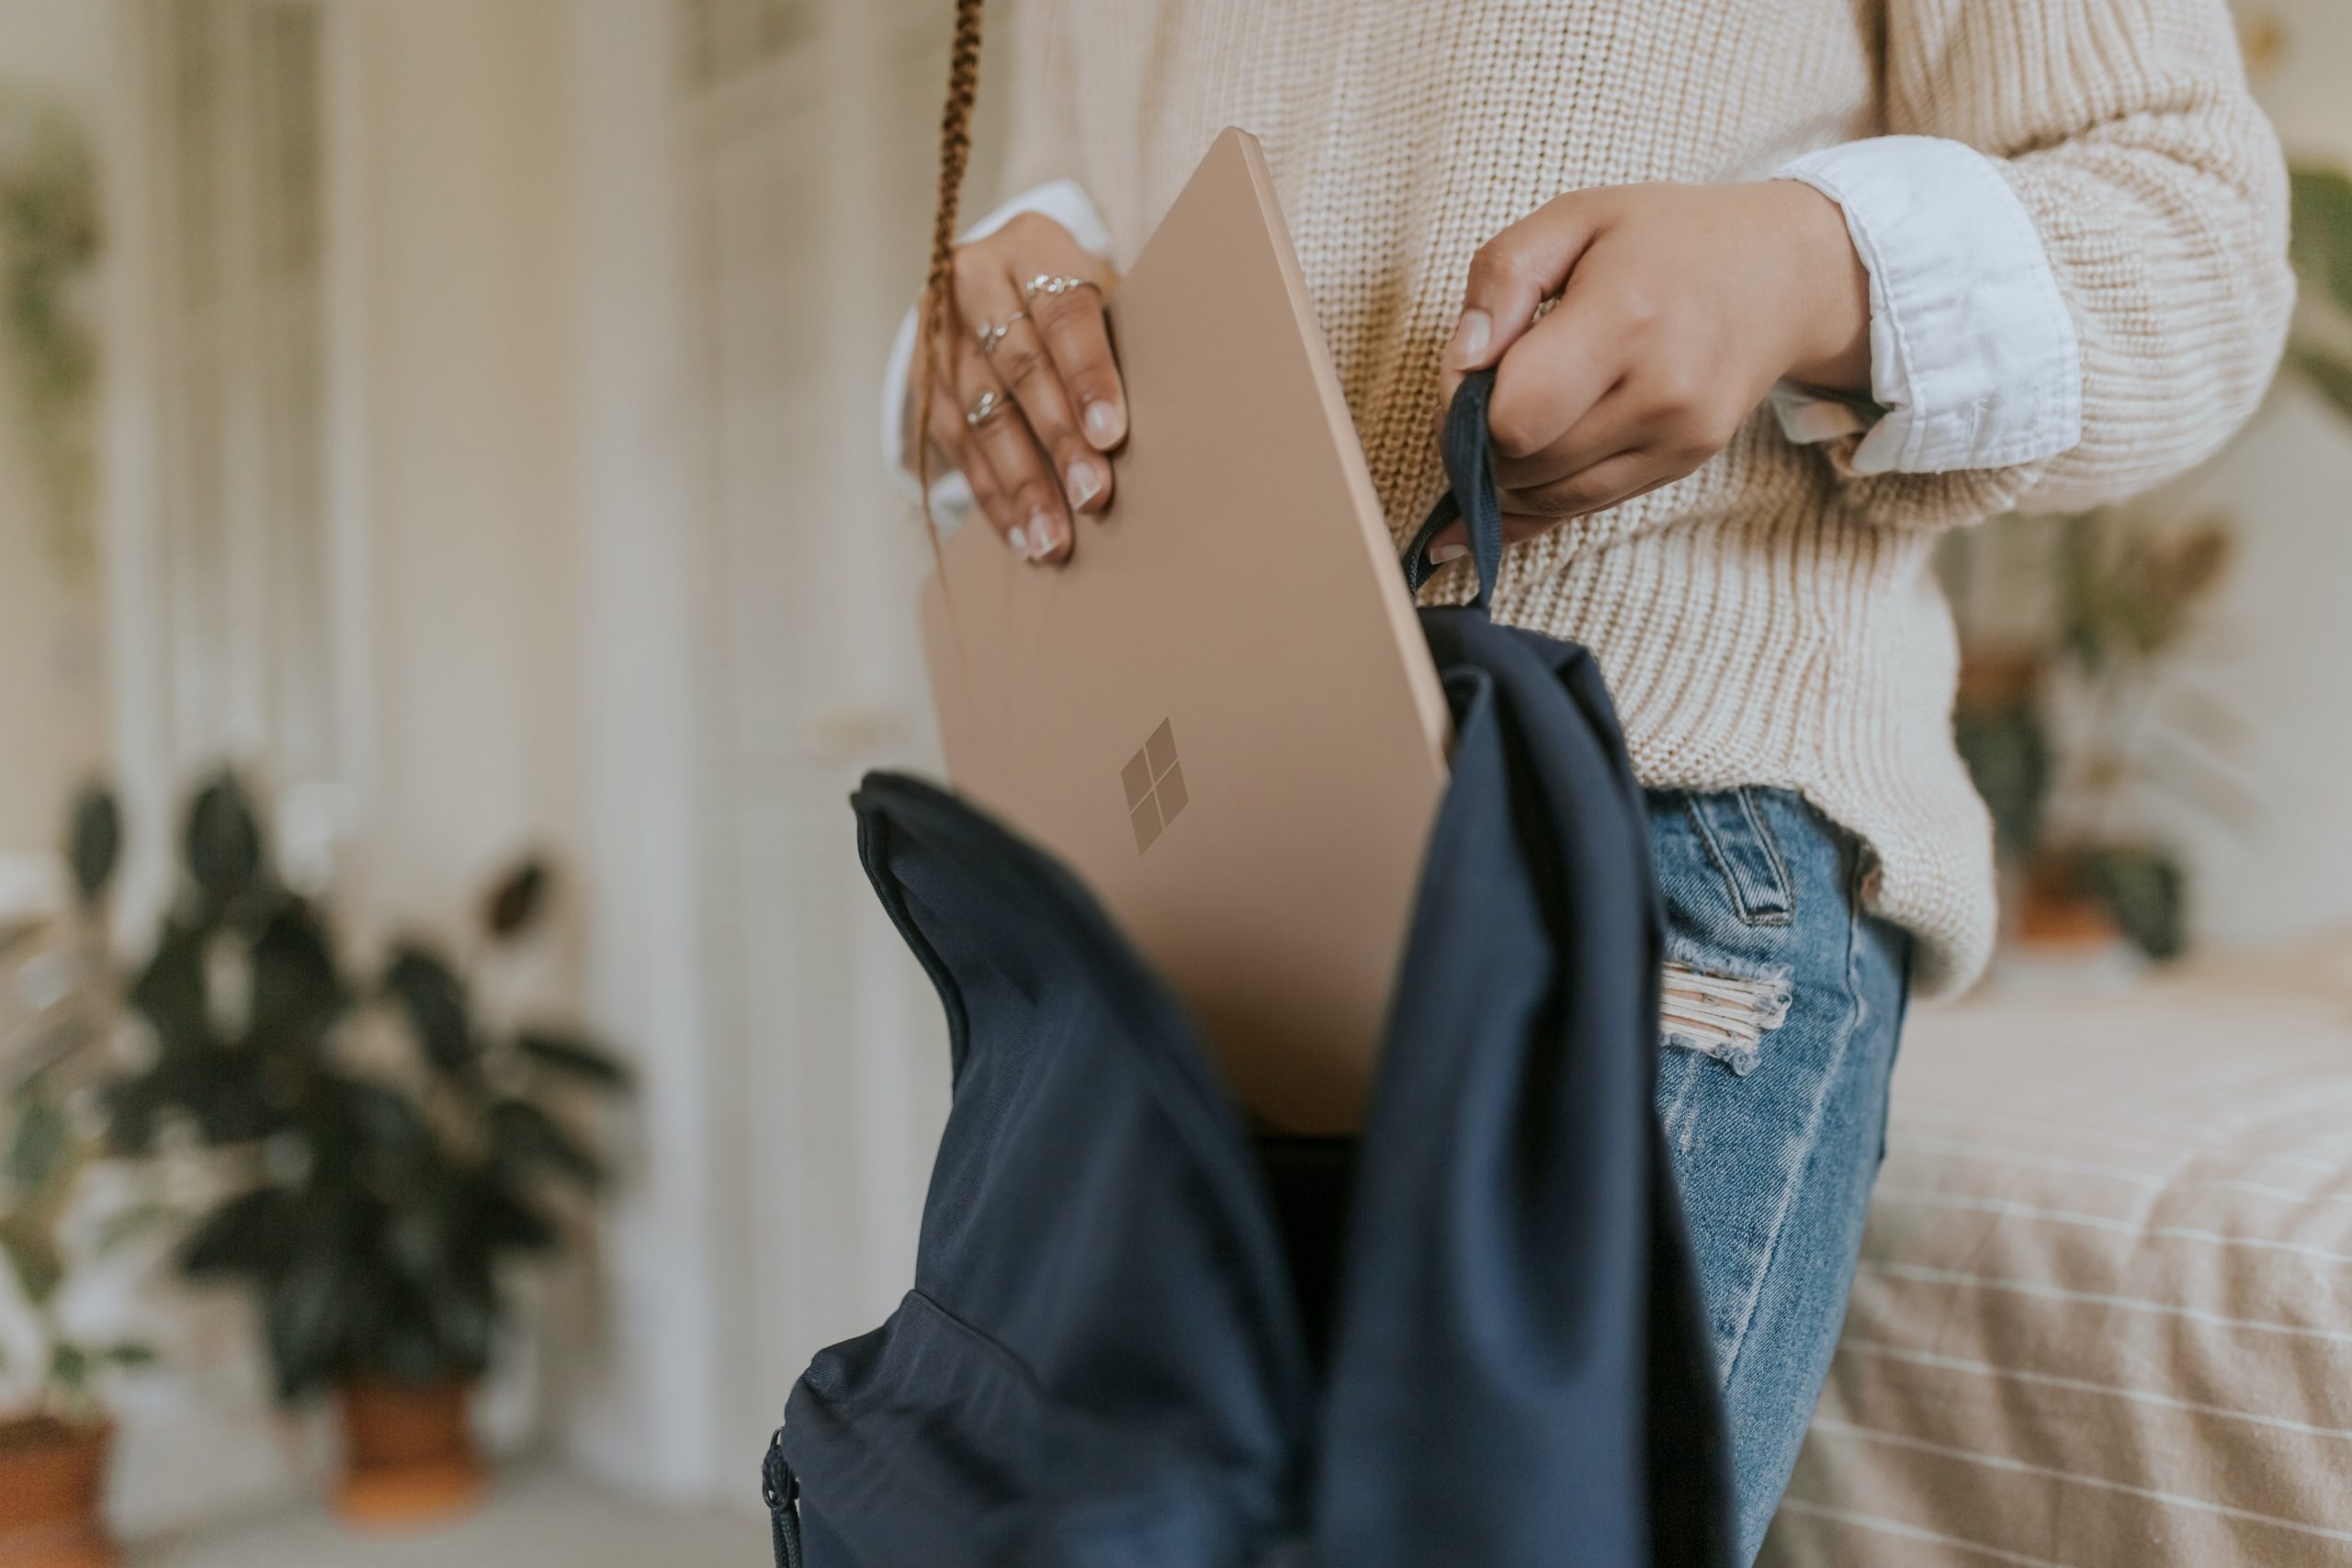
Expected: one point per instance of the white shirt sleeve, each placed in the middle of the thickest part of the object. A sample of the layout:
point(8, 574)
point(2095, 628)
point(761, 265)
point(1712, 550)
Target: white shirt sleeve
point(1975, 363)
point(1067, 203)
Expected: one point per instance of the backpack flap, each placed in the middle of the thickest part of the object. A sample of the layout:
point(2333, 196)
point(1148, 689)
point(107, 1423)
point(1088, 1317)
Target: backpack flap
point(1101, 1362)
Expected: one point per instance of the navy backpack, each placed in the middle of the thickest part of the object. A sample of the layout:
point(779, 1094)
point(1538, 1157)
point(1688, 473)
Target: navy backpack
point(1140, 1337)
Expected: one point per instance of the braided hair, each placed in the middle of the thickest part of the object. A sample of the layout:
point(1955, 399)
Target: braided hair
point(938, 295)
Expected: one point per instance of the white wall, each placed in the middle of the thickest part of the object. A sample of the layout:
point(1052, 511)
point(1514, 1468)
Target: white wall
point(462, 237)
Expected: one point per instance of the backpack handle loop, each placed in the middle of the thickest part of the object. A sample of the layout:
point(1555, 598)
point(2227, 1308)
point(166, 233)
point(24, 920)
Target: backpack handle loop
point(1470, 469)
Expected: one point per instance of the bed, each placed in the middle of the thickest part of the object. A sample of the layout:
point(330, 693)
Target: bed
point(2104, 1316)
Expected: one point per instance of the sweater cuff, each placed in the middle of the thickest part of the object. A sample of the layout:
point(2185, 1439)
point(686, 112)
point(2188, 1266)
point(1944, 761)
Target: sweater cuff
point(1067, 203)
point(1975, 363)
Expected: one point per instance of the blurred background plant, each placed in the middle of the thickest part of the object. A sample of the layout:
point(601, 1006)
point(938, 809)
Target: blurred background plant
point(2078, 635)
point(59, 1018)
point(382, 1154)
point(64, 1209)
point(378, 1174)
point(49, 252)
point(2067, 723)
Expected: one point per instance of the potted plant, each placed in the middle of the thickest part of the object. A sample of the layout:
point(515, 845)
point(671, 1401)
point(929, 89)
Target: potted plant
point(54, 1430)
point(2063, 729)
point(382, 1153)
point(2063, 716)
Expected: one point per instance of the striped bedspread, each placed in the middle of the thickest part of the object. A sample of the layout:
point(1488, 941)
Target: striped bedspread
point(2103, 1319)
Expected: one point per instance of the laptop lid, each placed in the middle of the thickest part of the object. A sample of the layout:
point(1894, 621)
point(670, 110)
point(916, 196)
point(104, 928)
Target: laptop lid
point(1220, 713)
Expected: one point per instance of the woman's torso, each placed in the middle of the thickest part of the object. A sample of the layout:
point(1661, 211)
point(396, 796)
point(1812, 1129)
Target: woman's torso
point(1404, 134)
point(1759, 626)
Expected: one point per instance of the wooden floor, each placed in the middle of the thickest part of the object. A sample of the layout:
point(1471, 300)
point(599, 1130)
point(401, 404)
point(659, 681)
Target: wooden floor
point(537, 1519)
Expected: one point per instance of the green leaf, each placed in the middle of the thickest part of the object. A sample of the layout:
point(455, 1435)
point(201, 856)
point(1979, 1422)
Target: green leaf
point(2329, 374)
point(94, 842)
point(572, 1059)
point(2008, 758)
point(2147, 893)
point(32, 1257)
point(410, 1350)
point(491, 1217)
point(523, 1135)
point(232, 1097)
point(514, 904)
point(69, 1368)
point(170, 990)
point(224, 842)
point(432, 997)
point(131, 1105)
point(37, 1152)
point(298, 994)
point(2322, 219)
point(386, 1138)
point(254, 1233)
point(130, 1353)
point(466, 1310)
point(305, 1325)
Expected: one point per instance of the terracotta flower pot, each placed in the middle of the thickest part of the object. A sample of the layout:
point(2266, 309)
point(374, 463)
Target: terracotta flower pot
point(2058, 914)
point(2065, 922)
point(54, 1494)
point(409, 1454)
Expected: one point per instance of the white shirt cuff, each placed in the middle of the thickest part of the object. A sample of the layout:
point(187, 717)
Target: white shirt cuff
point(1067, 203)
point(1975, 363)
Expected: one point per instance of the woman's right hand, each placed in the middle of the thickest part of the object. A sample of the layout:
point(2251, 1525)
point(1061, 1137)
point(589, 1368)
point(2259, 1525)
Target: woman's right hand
point(1035, 457)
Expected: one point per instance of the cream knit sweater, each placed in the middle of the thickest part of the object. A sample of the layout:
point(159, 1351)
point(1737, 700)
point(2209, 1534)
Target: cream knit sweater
point(1772, 619)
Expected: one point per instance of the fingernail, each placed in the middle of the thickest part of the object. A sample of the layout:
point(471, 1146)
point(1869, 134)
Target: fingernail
point(1444, 553)
point(1018, 537)
point(1101, 424)
point(1044, 534)
point(1085, 483)
point(1470, 340)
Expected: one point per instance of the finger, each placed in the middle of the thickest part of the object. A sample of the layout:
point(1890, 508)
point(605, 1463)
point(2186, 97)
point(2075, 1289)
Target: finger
point(1514, 273)
point(1450, 543)
point(1550, 380)
point(1610, 482)
point(1040, 527)
point(958, 442)
point(1619, 422)
point(952, 448)
point(1077, 336)
point(1023, 363)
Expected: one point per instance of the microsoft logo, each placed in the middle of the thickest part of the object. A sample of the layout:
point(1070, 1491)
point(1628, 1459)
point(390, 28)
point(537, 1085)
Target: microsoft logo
point(1155, 786)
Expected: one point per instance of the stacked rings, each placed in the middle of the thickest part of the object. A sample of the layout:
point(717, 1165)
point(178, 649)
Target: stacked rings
point(991, 333)
point(1047, 283)
point(983, 408)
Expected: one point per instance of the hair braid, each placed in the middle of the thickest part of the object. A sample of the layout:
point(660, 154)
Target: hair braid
point(938, 295)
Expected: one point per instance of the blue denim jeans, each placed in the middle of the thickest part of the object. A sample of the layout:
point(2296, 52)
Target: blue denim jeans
point(1783, 1001)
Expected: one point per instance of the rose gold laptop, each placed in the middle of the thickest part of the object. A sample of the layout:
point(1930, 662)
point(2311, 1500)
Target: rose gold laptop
point(1221, 712)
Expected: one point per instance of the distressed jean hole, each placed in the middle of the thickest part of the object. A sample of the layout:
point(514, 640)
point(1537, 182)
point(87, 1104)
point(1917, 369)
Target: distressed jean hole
point(1723, 1015)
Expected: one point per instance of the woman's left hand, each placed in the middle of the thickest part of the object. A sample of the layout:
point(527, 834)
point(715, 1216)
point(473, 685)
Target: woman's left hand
point(1679, 306)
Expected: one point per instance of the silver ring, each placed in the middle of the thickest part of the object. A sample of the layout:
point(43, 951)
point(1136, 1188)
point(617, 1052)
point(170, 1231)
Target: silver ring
point(991, 333)
point(983, 408)
point(1047, 283)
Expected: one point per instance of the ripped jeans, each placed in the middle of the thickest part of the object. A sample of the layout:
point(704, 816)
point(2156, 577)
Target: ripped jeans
point(1783, 1002)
